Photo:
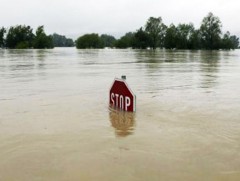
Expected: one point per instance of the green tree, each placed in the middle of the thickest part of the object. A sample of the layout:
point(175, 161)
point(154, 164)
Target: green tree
point(170, 41)
point(235, 41)
point(108, 40)
point(2, 32)
point(62, 41)
point(19, 37)
point(210, 31)
point(125, 41)
point(195, 40)
point(184, 32)
point(156, 30)
point(41, 40)
point(89, 41)
point(229, 42)
point(69, 43)
point(141, 39)
point(226, 41)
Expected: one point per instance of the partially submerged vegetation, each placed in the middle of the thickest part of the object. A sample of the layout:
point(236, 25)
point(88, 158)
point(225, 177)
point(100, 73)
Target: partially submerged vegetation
point(183, 36)
point(22, 37)
point(62, 41)
point(155, 34)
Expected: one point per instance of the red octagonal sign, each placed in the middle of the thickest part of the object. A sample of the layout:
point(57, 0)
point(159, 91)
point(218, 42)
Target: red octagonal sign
point(121, 96)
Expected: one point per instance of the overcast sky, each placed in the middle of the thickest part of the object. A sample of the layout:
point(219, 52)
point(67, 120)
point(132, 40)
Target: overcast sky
point(116, 17)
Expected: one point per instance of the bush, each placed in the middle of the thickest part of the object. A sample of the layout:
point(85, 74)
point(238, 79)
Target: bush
point(89, 41)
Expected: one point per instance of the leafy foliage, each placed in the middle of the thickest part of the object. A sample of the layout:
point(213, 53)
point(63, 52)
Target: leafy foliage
point(155, 34)
point(20, 36)
point(41, 40)
point(171, 37)
point(195, 40)
point(184, 36)
point(141, 39)
point(89, 41)
point(125, 41)
point(156, 31)
point(108, 40)
point(184, 32)
point(2, 32)
point(229, 42)
point(62, 41)
point(210, 32)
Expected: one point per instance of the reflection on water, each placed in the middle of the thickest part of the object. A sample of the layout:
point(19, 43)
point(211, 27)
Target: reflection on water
point(209, 68)
point(88, 56)
point(122, 121)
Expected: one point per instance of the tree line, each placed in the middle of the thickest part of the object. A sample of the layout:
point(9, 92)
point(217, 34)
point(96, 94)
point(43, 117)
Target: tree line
point(23, 37)
point(155, 34)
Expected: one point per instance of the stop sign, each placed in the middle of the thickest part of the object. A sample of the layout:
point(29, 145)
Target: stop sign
point(121, 96)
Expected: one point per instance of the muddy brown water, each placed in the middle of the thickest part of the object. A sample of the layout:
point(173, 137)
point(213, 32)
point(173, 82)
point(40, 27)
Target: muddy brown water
point(55, 123)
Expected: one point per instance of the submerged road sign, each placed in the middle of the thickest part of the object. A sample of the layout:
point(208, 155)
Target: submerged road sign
point(121, 96)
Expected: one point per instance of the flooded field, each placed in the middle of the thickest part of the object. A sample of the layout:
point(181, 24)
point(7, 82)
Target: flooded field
point(55, 123)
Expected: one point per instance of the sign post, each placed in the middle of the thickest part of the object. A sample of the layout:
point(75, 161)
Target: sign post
point(121, 96)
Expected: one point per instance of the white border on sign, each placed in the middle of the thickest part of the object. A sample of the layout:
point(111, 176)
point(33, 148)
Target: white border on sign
point(134, 96)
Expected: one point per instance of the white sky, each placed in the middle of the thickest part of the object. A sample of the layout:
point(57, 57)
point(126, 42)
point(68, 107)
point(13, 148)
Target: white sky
point(74, 18)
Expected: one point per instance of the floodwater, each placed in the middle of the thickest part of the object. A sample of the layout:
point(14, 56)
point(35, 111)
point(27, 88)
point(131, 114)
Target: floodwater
point(55, 123)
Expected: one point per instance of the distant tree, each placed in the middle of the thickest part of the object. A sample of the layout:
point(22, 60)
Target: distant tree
point(235, 41)
point(184, 33)
point(19, 37)
point(156, 30)
point(69, 43)
point(226, 41)
point(195, 40)
point(62, 41)
point(125, 41)
point(41, 40)
point(108, 40)
point(210, 31)
point(2, 32)
point(229, 42)
point(170, 41)
point(89, 41)
point(141, 39)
